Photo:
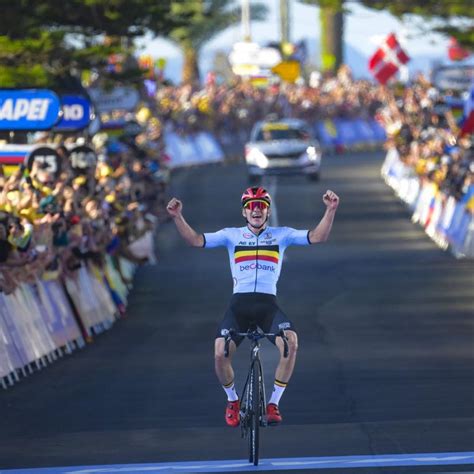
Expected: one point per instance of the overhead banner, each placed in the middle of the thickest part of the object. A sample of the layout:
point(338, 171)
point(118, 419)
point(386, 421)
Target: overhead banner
point(76, 113)
point(119, 98)
point(28, 109)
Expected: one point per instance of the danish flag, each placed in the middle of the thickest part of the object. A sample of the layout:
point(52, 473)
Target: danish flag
point(386, 61)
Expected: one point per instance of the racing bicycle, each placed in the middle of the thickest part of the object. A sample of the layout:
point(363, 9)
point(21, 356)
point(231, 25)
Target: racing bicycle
point(253, 407)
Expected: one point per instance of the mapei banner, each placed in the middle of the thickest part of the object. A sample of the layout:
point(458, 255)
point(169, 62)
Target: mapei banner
point(28, 109)
point(76, 113)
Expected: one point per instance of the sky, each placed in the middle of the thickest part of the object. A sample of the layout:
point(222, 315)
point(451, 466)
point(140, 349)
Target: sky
point(363, 30)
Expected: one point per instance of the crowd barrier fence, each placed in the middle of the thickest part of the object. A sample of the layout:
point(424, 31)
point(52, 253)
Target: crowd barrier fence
point(192, 149)
point(447, 221)
point(337, 135)
point(41, 321)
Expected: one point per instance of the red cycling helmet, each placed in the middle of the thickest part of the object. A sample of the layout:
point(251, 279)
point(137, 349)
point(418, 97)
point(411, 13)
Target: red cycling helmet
point(256, 194)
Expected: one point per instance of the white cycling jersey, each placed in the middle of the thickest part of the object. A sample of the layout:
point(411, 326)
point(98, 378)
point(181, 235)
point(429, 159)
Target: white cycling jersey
point(255, 261)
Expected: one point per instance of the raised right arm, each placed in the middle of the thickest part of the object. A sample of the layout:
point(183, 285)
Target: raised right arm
point(175, 208)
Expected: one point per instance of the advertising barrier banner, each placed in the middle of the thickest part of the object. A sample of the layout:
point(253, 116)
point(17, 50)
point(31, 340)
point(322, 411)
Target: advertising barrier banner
point(28, 109)
point(11, 358)
point(449, 223)
point(76, 113)
point(349, 133)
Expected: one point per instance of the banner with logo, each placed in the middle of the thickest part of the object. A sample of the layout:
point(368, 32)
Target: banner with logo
point(12, 346)
point(119, 98)
point(456, 77)
point(349, 133)
point(448, 222)
point(192, 149)
point(28, 109)
point(76, 113)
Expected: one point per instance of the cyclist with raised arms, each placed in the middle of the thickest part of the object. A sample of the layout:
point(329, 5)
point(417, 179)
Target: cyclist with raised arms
point(256, 254)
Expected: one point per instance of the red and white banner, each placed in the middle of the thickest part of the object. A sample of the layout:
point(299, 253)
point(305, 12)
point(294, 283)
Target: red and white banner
point(387, 60)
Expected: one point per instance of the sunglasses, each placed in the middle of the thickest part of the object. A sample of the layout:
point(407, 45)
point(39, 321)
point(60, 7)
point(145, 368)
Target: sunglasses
point(251, 205)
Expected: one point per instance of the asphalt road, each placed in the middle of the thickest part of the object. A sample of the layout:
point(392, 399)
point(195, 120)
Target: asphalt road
point(385, 322)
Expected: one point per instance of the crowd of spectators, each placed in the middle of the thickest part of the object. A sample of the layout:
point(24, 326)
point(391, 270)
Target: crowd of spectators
point(426, 134)
point(230, 110)
point(417, 120)
point(52, 223)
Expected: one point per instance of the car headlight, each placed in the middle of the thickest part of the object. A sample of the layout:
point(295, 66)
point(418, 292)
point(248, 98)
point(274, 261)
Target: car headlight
point(256, 157)
point(312, 154)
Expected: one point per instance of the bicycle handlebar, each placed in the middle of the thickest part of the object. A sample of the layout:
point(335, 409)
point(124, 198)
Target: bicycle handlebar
point(255, 335)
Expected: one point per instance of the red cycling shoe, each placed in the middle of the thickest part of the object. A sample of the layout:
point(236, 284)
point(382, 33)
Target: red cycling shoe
point(273, 414)
point(232, 415)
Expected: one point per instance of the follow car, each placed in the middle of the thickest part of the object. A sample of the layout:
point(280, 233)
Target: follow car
point(280, 147)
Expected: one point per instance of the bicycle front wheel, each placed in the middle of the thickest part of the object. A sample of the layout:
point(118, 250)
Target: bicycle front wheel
point(255, 410)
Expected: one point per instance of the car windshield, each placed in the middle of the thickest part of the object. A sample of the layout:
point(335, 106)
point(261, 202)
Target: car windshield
point(281, 132)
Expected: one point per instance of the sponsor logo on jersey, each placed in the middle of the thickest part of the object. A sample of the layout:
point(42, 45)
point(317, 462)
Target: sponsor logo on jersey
point(259, 266)
point(247, 235)
point(269, 253)
point(267, 235)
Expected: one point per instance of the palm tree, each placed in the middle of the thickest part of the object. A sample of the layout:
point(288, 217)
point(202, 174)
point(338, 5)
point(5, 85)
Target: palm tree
point(207, 18)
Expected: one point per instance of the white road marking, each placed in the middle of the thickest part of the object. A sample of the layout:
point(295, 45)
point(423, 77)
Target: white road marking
point(332, 462)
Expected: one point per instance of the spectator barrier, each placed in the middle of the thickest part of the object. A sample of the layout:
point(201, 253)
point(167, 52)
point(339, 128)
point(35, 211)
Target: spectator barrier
point(447, 221)
point(193, 149)
point(40, 322)
point(334, 135)
point(349, 134)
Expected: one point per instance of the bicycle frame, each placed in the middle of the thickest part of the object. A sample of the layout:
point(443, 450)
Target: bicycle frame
point(253, 407)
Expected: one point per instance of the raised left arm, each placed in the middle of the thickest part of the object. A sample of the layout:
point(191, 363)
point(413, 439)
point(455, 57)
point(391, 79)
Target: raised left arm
point(321, 232)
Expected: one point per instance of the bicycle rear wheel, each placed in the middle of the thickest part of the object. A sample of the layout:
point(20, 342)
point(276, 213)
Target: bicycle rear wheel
point(255, 410)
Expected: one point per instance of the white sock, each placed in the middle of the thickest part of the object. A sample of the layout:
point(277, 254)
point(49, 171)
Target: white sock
point(278, 389)
point(231, 392)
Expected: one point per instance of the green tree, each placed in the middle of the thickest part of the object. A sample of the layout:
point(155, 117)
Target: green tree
point(207, 18)
point(450, 17)
point(49, 42)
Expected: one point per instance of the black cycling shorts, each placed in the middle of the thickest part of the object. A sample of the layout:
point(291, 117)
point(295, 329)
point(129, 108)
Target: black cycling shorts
point(249, 309)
